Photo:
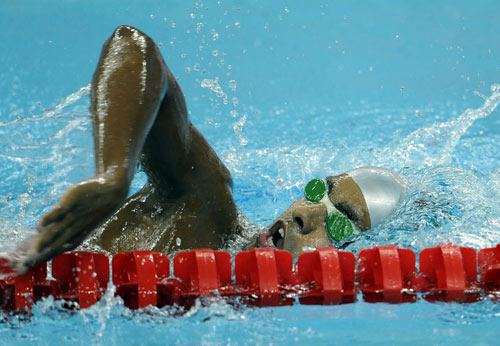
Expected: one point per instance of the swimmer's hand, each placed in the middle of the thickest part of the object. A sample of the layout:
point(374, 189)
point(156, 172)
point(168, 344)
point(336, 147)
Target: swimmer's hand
point(83, 207)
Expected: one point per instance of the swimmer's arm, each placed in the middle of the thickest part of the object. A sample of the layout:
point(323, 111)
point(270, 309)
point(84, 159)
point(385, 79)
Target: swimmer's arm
point(128, 86)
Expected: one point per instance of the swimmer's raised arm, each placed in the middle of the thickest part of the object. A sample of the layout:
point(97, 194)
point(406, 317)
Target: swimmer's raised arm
point(128, 86)
point(139, 115)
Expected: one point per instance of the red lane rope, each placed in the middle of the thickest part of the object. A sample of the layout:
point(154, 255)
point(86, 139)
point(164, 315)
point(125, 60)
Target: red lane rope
point(262, 277)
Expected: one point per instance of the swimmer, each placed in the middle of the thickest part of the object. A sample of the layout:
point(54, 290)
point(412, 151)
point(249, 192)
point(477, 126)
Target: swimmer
point(139, 115)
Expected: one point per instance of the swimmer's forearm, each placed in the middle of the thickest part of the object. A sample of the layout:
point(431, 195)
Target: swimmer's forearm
point(128, 86)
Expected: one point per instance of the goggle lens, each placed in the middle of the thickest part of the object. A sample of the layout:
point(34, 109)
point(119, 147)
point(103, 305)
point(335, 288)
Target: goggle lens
point(338, 226)
point(315, 190)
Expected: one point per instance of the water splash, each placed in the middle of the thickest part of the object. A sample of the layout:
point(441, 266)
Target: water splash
point(445, 203)
point(434, 145)
point(41, 155)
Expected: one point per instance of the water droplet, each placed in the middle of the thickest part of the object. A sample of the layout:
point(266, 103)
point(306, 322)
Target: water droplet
point(234, 113)
point(237, 24)
point(178, 241)
point(235, 101)
point(232, 84)
point(187, 69)
point(215, 52)
point(193, 15)
point(215, 35)
point(152, 16)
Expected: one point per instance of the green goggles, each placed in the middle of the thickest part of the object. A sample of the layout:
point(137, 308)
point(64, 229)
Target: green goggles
point(338, 225)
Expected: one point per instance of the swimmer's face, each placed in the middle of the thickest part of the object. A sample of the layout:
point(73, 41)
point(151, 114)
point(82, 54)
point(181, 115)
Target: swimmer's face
point(301, 227)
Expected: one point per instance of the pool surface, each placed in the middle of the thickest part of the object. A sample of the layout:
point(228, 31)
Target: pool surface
point(284, 92)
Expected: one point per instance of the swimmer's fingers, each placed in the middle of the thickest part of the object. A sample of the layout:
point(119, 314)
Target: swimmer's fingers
point(32, 259)
point(62, 210)
point(52, 241)
point(55, 215)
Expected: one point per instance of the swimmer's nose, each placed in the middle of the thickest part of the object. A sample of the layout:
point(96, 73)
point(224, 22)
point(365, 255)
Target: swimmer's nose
point(309, 217)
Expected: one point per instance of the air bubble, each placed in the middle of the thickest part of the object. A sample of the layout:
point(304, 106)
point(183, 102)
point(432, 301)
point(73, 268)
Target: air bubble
point(215, 35)
point(232, 84)
point(215, 52)
point(234, 113)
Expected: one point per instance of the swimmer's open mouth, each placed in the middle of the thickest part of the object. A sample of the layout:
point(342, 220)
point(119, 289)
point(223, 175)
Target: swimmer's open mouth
point(274, 236)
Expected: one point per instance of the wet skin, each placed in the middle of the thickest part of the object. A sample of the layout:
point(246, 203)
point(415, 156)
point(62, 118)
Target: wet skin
point(139, 115)
point(303, 224)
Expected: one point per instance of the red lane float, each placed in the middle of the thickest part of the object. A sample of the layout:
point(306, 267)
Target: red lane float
point(140, 278)
point(327, 276)
point(384, 274)
point(19, 292)
point(452, 272)
point(489, 268)
point(203, 271)
point(81, 277)
point(263, 277)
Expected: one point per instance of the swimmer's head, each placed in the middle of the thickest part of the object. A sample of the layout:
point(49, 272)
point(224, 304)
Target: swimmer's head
point(309, 222)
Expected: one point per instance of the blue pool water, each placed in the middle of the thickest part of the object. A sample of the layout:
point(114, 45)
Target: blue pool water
point(284, 91)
